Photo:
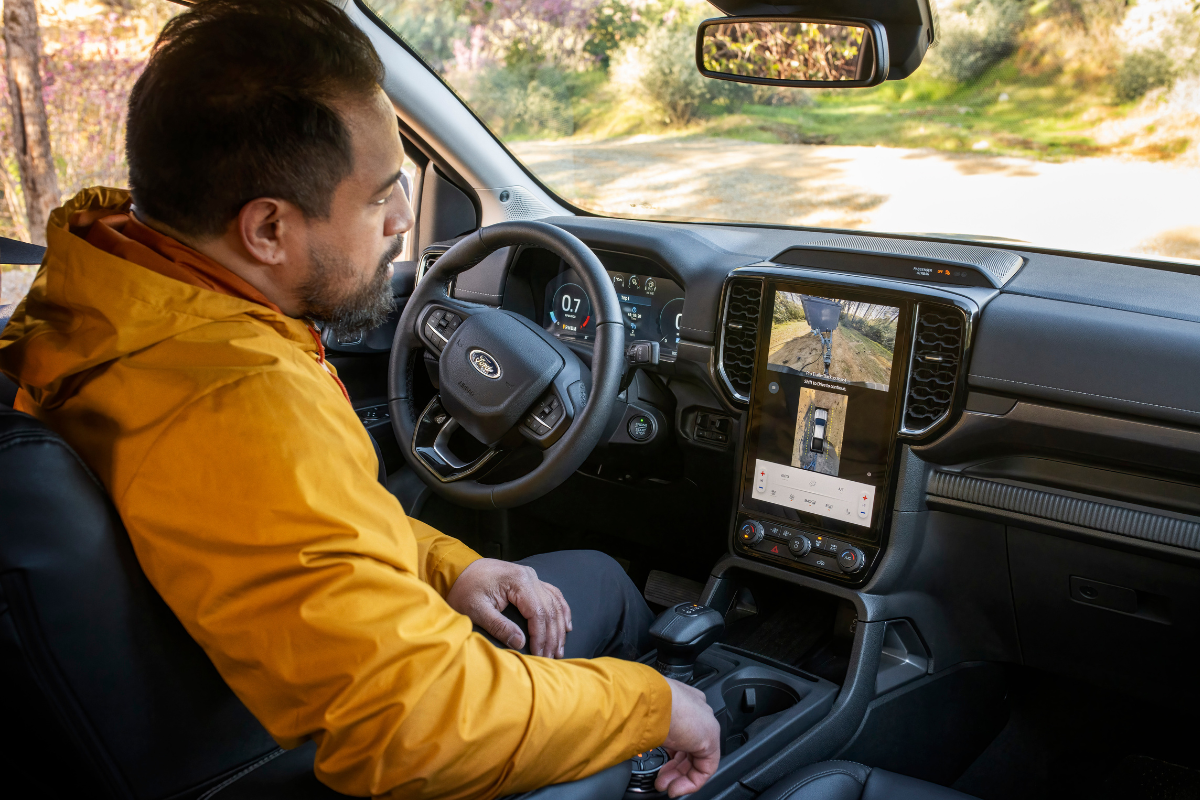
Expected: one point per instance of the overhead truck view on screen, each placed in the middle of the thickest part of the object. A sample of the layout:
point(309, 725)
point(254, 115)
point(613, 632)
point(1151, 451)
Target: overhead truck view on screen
point(600, 400)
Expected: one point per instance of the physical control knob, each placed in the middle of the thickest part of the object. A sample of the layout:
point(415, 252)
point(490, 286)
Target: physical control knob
point(751, 532)
point(800, 545)
point(851, 559)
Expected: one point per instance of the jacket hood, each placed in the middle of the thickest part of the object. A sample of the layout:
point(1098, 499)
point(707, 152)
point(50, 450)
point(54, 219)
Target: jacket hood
point(87, 308)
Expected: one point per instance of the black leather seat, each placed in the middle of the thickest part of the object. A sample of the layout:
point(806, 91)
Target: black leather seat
point(846, 780)
point(100, 680)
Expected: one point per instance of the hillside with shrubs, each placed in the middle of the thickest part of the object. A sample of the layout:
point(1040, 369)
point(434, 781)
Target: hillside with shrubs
point(1045, 79)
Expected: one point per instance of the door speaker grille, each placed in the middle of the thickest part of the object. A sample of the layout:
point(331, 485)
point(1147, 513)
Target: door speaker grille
point(739, 332)
point(936, 355)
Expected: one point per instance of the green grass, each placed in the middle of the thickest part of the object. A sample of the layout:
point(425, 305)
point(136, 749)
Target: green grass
point(1042, 119)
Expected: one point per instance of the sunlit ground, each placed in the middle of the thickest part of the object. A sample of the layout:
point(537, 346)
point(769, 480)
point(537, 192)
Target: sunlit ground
point(1101, 205)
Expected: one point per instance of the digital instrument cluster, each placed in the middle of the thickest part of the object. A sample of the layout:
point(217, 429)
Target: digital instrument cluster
point(651, 305)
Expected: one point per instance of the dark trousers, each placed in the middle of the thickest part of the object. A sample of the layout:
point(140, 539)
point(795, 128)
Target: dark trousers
point(608, 615)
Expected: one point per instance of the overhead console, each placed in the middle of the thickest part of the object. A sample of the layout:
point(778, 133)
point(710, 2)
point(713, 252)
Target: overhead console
point(838, 373)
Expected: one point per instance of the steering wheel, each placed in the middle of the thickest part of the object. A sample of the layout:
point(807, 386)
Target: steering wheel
point(502, 379)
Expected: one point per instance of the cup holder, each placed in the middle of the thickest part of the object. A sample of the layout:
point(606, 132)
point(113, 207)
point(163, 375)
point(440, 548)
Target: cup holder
point(751, 705)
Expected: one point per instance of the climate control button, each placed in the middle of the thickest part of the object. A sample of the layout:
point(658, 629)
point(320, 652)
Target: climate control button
point(799, 545)
point(851, 559)
point(751, 532)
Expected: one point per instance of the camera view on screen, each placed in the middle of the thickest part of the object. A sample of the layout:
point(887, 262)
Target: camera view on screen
point(839, 340)
point(819, 426)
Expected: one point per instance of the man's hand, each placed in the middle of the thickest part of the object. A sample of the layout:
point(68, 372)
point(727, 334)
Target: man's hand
point(693, 742)
point(487, 586)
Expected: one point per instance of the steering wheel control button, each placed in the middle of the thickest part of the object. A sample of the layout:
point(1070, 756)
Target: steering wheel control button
point(640, 428)
point(546, 413)
point(851, 559)
point(799, 545)
point(440, 326)
point(750, 533)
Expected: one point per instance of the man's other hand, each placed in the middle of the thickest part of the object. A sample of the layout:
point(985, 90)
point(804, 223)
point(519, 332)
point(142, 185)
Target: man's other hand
point(487, 586)
point(693, 742)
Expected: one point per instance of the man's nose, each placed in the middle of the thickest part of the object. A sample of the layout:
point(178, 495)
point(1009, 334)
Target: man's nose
point(400, 220)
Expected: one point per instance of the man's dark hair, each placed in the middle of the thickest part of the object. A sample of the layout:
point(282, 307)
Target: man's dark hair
point(237, 102)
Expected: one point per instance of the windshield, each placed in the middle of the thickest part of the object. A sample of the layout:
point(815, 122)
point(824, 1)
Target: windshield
point(1071, 124)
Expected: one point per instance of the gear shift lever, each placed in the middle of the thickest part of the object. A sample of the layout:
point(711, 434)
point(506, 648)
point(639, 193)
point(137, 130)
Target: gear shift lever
point(682, 633)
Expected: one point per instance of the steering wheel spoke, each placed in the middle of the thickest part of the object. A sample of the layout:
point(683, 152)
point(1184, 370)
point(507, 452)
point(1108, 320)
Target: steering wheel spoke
point(431, 444)
point(551, 415)
point(438, 321)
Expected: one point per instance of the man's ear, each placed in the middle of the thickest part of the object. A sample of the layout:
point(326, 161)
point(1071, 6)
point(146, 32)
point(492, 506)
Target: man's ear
point(265, 226)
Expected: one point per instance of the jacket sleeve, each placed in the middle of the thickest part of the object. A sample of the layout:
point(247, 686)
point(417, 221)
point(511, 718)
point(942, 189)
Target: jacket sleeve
point(258, 517)
point(440, 558)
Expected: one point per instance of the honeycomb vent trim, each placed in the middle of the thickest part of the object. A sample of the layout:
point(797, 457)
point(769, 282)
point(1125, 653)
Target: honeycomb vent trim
point(739, 334)
point(999, 265)
point(936, 356)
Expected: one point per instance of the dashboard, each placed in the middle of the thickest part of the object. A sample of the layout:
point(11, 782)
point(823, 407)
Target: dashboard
point(965, 353)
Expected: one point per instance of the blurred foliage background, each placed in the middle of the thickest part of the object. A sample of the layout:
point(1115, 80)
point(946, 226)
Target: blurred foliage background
point(92, 52)
point(1046, 79)
point(1042, 79)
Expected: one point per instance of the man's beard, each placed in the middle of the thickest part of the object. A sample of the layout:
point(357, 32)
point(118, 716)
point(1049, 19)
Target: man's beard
point(348, 315)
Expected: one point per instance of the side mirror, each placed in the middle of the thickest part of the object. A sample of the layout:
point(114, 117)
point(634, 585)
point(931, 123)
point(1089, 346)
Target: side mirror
point(787, 51)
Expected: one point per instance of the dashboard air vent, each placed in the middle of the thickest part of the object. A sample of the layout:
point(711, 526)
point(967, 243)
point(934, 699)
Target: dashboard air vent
point(739, 332)
point(936, 355)
point(428, 257)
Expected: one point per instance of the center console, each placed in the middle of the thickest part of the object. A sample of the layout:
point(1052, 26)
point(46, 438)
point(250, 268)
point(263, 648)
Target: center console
point(761, 704)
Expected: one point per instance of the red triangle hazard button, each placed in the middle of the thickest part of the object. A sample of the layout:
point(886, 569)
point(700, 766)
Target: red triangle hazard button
point(775, 549)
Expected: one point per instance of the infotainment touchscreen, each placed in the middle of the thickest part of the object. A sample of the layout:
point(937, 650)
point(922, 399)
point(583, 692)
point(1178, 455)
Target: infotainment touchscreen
point(823, 408)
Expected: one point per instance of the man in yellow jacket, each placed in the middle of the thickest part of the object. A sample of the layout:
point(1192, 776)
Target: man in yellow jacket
point(169, 340)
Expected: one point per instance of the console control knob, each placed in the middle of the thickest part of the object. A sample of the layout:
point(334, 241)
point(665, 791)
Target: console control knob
point(800, 545)
point(851, 559)
point(645, 770)
point(751, 532)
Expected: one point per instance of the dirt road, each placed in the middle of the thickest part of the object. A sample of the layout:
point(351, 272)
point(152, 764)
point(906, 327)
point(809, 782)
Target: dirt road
point(855, 358)
point(1103, 205)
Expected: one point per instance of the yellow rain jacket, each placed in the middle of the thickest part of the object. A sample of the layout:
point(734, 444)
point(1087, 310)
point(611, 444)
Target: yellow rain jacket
point(249, 490)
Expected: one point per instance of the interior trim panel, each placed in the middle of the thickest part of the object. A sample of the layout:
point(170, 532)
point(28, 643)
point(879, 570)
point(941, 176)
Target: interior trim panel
point(1130, 363)
point(1056, 507)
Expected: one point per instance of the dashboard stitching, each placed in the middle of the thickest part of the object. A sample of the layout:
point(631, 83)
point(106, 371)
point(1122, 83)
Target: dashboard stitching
point(477, 294)
point(1088, 394)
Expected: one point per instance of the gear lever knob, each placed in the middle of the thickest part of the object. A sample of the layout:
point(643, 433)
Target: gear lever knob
point(682, 633)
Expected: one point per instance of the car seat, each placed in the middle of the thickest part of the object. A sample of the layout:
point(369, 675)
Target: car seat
point(104, 692)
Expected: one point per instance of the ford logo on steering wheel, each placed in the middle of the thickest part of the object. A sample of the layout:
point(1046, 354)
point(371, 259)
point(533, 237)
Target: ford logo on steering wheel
point(485, 364)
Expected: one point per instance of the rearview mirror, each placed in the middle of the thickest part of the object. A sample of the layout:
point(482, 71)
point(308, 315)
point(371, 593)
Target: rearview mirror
point(786, 51)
